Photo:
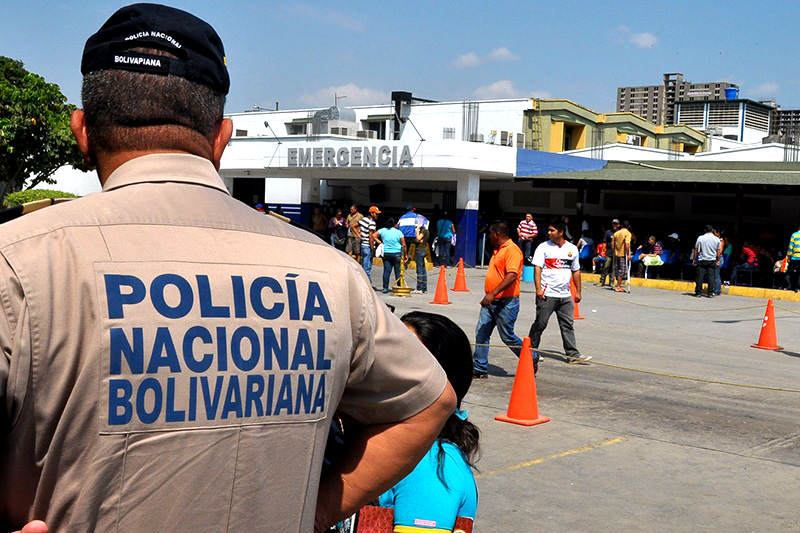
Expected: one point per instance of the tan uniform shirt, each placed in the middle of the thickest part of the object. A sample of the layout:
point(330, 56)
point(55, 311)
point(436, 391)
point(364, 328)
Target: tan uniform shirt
point(172, 359)
point(352, 223)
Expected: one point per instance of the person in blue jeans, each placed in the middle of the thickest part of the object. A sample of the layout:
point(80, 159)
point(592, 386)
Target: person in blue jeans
point(367, 230)
point(394, 250)
point(444, 232)
point(500, 305)
point(421, 241)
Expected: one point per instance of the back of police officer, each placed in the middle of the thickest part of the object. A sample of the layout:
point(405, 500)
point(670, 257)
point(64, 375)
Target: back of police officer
point(172, 358)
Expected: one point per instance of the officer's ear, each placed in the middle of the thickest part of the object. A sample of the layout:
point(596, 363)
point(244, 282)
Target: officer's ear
point(221, 138)
point(77, 123)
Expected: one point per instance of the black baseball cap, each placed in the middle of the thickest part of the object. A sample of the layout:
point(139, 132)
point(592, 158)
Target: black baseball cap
point(199, 54)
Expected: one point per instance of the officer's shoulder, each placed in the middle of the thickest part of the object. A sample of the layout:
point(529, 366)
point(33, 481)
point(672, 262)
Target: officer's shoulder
point(46, 220)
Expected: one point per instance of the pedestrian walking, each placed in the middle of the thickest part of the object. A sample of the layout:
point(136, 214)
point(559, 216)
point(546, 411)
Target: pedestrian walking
point(367, 227)
point(607, 268)
point(353, 232)
point(793, 255)
point(421, 239)
point(394, 250)
point(555, 264)
point(338, 227)
point(500, 305)
point(707, 251)
point(527, 231)
point(622, 255)
point(445, 229)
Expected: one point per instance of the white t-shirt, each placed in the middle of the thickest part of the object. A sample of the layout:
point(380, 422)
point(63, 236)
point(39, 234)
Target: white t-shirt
point(557, 264)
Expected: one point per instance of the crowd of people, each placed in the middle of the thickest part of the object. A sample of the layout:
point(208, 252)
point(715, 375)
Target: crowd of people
point(619, 253)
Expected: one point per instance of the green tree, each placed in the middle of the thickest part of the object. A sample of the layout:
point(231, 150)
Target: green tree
point(35, 139)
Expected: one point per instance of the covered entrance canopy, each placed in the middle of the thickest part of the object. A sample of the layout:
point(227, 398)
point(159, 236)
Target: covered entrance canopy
point(305, 161)
point(746, 198)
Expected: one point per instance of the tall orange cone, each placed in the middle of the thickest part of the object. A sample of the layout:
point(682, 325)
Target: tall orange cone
point(523, 408)
point(576, 312)
point(768, 340)
point(441, 288)
point(461, 279)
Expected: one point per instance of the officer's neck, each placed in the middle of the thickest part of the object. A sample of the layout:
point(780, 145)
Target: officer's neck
point(108, 162)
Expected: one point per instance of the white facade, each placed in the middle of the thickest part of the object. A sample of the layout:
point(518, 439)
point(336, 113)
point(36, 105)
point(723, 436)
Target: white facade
point(434, 121)
point(739, 120)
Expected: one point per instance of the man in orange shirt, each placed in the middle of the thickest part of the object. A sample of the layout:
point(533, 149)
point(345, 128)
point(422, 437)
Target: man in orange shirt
point(500, 306)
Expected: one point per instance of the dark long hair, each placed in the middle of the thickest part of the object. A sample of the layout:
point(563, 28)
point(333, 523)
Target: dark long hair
point(450, 346)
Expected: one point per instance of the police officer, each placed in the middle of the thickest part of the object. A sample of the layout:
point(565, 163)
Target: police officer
point(170, 357)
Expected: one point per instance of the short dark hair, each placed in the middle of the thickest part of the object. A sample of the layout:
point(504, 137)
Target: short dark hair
point(626, 224)
point(136, 111)
point(500, 227)
point(450, 346)
point(708, 227)
point(389, 223)
point(558, 225)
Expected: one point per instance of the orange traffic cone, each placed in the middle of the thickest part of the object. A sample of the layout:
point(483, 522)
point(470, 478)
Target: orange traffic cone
point(461, 279)
point(768, 339)
point(576, 312)
point(441, 288)
point(523, 408)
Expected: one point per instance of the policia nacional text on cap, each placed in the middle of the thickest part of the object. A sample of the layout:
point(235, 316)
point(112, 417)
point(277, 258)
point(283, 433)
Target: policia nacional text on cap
point(170, 359)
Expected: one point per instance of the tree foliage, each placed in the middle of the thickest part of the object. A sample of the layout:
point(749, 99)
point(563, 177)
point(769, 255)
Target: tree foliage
point(23, 197)
point(35, 139)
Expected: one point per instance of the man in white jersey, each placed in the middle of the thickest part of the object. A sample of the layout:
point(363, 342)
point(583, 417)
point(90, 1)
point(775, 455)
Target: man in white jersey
point(555, 262)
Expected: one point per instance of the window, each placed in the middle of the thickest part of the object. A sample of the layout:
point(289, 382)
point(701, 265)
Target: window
point(296, 129)
point(378, 126)
point(448, 133)
point(241, 133)
point(529, 199)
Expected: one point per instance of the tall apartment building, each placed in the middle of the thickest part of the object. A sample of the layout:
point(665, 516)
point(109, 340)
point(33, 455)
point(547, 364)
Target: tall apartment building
point(657, 103)
point(786, 123)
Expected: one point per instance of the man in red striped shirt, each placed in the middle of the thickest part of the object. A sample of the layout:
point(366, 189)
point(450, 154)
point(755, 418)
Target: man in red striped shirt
point(527, 230)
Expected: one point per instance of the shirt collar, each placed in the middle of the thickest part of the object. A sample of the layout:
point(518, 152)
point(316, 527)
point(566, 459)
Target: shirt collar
point(159, 168)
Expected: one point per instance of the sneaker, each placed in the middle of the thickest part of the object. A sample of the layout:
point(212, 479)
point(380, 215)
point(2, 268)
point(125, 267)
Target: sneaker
point(479, 375)
point(581, 358)
point(386, 291)
point(416, 291)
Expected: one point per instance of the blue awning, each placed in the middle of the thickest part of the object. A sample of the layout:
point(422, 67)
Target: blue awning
point(533, 163)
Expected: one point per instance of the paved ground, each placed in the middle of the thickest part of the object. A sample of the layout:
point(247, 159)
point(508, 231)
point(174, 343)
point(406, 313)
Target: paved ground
point(633, 451)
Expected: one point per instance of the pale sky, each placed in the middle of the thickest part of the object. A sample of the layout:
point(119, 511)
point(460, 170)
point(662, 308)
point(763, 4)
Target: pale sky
point(301, 53)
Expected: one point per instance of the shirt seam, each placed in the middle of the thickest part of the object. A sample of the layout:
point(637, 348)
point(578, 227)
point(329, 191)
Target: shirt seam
point(233, 480)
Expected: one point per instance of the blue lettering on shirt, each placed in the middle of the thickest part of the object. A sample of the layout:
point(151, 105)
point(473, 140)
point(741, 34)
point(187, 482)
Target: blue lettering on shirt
point(162, 372)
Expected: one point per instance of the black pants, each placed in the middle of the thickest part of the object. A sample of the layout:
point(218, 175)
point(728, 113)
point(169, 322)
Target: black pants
point(705, 270)
point(793, 273)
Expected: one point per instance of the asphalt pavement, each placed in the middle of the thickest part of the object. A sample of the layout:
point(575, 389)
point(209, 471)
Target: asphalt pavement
point(677, 424)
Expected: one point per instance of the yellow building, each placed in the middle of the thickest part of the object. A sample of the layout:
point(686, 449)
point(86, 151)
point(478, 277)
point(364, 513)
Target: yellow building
point(561, 125)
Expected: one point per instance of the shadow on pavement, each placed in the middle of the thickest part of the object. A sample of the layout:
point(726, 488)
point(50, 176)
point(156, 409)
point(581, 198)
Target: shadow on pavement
point(790, 354)
point(497, 371)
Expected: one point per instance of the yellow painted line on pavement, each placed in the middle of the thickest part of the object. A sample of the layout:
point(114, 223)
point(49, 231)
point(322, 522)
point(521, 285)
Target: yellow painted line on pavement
point(582, 449)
